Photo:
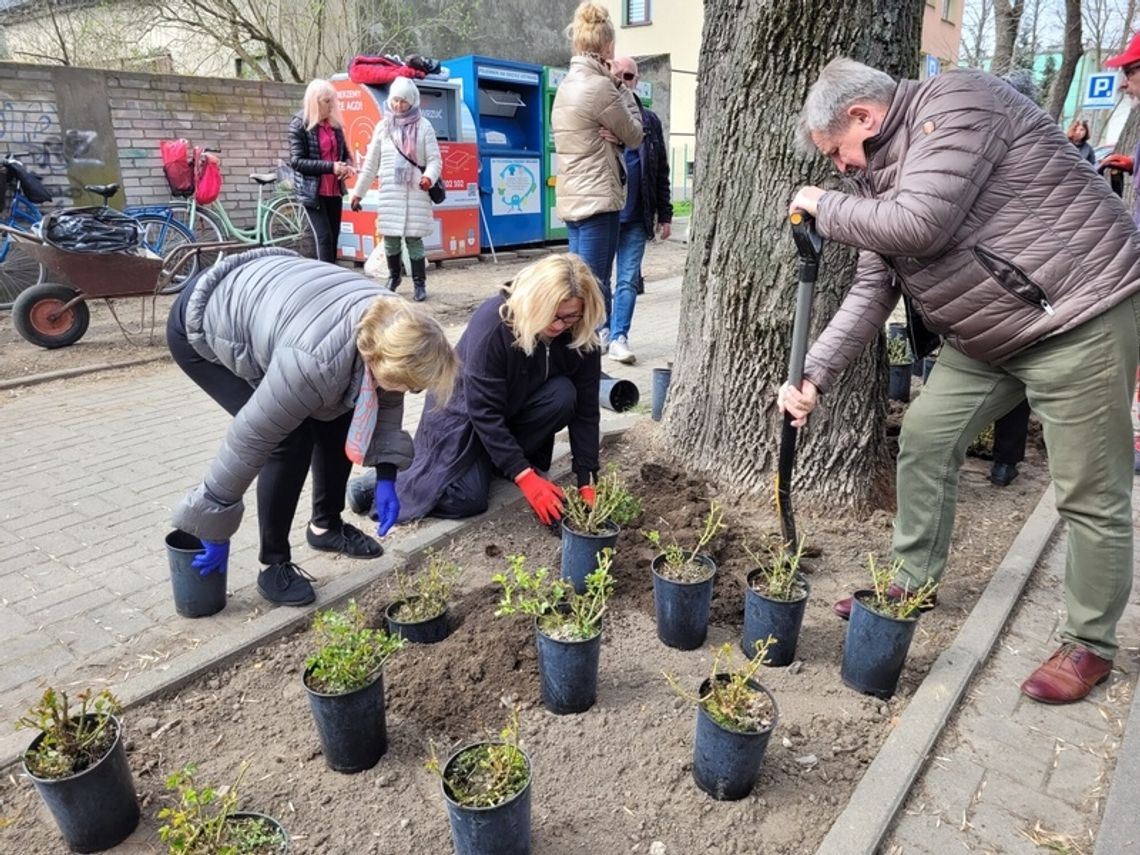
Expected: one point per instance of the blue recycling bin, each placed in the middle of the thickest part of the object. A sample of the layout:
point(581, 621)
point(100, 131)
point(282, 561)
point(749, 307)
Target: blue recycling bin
point(505, 99)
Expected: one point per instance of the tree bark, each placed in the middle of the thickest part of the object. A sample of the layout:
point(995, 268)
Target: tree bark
point(738, 298)
point(1070, 56)
point(1007, 19)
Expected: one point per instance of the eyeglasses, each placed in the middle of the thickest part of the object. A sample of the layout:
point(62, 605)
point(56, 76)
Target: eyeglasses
point(628, 76)
point(567, 320)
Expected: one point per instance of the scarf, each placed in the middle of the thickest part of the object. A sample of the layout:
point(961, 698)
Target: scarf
point(363, 420)
point(403, 128)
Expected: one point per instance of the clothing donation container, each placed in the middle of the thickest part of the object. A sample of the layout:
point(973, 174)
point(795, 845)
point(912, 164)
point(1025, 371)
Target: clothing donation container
point(456, 232)
point(554, 228)
point(505, 100)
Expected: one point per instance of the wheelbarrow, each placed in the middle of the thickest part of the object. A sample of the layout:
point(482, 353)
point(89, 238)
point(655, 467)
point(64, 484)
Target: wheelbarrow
point(54, 313)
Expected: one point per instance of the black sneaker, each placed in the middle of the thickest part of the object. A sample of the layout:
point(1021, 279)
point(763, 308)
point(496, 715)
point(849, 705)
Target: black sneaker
point(286, 584)
point(361, 493)
point(347, 540)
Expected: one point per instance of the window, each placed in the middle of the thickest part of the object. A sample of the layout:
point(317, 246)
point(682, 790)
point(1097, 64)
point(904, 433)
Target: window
point(636, 12)
point(947, 8)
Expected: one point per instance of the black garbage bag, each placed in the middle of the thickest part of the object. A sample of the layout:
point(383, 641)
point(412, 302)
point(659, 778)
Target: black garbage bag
point(92, 230)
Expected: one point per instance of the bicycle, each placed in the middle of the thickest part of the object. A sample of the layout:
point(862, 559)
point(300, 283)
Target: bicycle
point(18, 271)
point(279, 221)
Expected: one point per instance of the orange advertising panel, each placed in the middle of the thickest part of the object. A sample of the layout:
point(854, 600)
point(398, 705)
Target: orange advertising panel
point(456, 232)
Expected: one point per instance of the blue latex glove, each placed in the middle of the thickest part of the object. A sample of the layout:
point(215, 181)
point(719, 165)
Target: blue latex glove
point(387, 507)
point(215, 558)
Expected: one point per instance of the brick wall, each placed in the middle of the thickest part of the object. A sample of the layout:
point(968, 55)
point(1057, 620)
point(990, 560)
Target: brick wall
point(84, 126)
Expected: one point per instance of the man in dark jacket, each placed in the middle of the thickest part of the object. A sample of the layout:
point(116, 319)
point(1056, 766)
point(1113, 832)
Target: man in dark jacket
point(647, 208)
point(971, 201)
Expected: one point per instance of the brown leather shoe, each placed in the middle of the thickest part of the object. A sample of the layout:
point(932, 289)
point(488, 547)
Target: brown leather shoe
point(1068, 676)
point(895, 592)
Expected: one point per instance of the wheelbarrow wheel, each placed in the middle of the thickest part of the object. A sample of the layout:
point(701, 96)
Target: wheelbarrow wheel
point(39, 316)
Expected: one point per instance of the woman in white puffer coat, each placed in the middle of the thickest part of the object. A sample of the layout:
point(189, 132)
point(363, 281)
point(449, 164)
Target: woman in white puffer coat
point(405, 155)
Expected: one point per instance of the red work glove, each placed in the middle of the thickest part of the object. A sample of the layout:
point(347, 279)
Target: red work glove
point(589, 494)
point(545, 497)
point(1116, 161)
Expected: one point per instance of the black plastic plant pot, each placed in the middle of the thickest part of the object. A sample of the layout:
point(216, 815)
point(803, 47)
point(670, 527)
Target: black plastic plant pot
point(617, 395)
point(580, 552)
point(503, 829)
point(427, 631)
point(726, 762)
point(240, 815)
point(875, 649)
point(351, 726)
point(97, 808)
point(568, 672)
point(781, 619)
point(662, 377)
point(898, 388)
point(194, 595)
point(682, 608)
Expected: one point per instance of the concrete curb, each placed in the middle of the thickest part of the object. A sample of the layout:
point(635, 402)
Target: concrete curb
point(79, 371)
point(1119, 831)
point(888, 780)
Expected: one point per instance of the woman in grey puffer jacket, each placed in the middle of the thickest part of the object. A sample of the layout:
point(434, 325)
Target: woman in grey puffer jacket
point(313, 363)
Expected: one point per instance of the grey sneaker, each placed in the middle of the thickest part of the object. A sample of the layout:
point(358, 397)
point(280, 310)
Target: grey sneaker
point(361, 493)
point(620, 352)
point(286, 584)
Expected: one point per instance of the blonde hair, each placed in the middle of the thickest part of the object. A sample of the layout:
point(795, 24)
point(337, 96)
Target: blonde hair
point(311, 106)
point(403, 345)
point(540, 288)
point(591, 31)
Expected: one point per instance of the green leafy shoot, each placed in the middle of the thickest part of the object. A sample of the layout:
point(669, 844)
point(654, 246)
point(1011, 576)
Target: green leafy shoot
point(612, 503)
point(562, 613)
point(730, 701)
point(488, 773)
point(201, 824)
point(898, 350)
point(882, 577)
point(348, 653)
point(983, 443)
point(73, 738)
point(779, 575)
point(425, 596)
point(677, 557)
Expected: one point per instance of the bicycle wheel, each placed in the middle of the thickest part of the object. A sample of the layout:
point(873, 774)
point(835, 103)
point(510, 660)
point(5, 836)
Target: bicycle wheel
point(287, 225)
point(162, 235)
point(18, 272)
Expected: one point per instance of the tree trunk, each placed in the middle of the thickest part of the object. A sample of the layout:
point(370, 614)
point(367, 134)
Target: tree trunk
point(1071, 55)
point(758, 58)
point(1007, 20)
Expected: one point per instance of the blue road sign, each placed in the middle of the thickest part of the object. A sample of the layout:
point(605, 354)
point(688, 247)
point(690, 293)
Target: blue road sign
point(1100, 92)
point(933, 66)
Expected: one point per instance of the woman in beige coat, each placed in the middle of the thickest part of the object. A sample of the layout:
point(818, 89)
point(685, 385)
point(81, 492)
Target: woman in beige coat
point(593, 118)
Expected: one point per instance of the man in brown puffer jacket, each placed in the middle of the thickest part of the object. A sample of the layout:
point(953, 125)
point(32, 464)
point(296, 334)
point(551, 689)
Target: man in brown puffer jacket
point(969, 201)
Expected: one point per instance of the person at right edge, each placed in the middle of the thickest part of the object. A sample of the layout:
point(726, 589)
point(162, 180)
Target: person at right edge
point(647, 208)
point(531, 366)
point(405, 154)
point(969, 200)
point(593, 116)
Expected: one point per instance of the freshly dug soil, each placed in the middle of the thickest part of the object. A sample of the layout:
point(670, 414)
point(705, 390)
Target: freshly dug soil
point(615, 779)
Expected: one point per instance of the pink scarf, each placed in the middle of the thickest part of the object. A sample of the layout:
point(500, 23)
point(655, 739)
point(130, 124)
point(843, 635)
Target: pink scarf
point(407, 126)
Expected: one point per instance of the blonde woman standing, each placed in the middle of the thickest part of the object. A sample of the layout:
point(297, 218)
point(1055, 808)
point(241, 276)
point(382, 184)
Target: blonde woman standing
point(405, 154)
point(319, 154)
point(530, 367)
point(594, 117)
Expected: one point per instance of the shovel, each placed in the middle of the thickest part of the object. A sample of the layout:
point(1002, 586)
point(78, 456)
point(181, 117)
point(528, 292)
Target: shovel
point(809, 245)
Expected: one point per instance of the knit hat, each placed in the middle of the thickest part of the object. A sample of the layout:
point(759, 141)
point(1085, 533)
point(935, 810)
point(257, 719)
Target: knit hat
point(1130, 56)
point(402, 87)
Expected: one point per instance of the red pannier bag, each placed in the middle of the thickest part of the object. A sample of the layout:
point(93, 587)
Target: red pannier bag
point(177, 167)
point(209, 182)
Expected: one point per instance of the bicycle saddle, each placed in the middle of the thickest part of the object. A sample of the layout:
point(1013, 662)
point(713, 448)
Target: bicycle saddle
point(104, 190)
point(263, 177)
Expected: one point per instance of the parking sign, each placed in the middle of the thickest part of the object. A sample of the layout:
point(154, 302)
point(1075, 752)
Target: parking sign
point(1100, 92)
point(933, 65)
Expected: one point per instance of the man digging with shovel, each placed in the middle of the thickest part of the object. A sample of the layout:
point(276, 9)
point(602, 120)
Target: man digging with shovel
point(971, 202)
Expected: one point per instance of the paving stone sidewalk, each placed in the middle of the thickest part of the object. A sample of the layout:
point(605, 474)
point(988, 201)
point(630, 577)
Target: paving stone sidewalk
point(93, 466)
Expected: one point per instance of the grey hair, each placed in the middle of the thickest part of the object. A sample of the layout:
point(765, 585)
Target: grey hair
point(842, 82)
point(1023, 81)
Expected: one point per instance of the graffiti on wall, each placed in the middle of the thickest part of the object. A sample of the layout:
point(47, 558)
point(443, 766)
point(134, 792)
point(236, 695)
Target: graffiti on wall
point(33, 134)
